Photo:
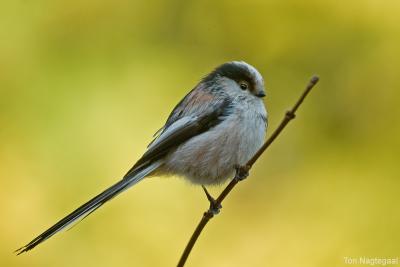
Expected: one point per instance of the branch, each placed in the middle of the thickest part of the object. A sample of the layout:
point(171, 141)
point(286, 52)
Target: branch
point(242, 172)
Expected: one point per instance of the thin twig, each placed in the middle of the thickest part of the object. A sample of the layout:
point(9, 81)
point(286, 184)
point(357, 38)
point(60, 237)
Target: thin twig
point(242, 173)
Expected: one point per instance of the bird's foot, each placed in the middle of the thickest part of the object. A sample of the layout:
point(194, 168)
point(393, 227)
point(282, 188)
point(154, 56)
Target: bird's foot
point(241, 172)
point(215, 207)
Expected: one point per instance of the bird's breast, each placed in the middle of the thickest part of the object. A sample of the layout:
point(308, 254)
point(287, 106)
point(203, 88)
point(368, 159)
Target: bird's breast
point(210, 158)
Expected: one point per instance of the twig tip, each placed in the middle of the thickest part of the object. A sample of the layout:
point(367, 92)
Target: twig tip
point(314, 79)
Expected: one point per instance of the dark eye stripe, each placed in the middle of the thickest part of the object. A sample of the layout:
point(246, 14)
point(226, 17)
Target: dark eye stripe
point(232, 71)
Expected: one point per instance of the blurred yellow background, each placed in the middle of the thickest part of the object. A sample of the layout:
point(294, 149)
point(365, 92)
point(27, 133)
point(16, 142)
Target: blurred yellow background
point(85, 84)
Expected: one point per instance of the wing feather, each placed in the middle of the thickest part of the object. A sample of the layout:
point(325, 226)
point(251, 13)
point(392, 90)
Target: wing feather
point(181, 130)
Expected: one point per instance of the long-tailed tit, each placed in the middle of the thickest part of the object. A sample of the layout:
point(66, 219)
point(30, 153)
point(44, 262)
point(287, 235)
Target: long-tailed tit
point(217, 126)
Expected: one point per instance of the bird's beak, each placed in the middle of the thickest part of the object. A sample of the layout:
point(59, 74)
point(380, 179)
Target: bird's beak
point(261, 94)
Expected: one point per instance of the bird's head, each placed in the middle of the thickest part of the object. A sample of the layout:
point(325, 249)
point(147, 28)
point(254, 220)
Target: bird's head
point(239, 76)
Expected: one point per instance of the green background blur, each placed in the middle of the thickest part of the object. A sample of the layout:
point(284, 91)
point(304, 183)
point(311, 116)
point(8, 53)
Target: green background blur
point(85, 84)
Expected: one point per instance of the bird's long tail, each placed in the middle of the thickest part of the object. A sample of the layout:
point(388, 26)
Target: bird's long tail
point(80, 213)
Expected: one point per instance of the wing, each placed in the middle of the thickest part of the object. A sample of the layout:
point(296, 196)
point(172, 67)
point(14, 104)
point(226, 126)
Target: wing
point(183, 124)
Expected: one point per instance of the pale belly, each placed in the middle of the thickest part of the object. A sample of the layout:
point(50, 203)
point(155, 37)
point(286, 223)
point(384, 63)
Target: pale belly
point(211, 157)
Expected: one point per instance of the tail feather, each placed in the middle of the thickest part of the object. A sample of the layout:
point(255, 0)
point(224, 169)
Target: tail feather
point(92, 205)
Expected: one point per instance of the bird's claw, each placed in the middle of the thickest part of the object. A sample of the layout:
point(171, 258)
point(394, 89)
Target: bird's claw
point(241, 172)
point(215, 207)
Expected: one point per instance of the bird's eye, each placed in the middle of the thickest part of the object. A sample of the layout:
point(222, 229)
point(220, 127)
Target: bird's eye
point(243, 86)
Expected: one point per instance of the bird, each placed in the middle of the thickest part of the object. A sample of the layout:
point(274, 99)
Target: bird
point(216, 128)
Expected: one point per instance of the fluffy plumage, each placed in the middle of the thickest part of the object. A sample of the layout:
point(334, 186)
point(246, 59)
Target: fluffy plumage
point(218, 125)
